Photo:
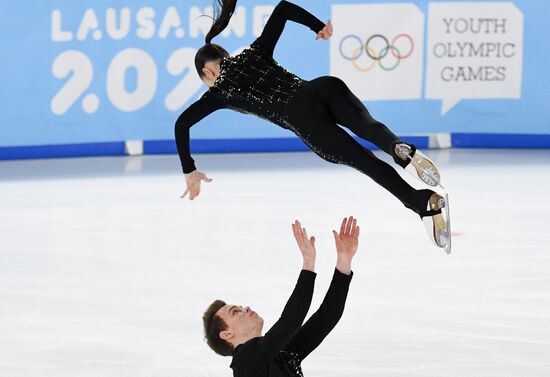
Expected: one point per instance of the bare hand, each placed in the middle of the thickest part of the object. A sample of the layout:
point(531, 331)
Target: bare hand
point(326, 32)
point(347, 242)
point(193, 182)
point(306, 245)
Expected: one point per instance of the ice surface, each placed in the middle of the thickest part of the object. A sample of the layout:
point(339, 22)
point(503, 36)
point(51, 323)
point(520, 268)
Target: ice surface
point(104, 271)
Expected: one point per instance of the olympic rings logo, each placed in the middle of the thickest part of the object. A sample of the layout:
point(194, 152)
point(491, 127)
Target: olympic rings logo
point(370, 52)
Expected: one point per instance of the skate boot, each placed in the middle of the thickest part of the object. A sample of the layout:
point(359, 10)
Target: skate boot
point(437, 226)
point(420, 165)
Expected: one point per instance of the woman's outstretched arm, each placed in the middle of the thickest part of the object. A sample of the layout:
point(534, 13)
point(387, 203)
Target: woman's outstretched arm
point(206, 105)
point(274, 27)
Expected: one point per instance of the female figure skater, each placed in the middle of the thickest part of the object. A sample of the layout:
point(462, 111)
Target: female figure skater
point(253, 82)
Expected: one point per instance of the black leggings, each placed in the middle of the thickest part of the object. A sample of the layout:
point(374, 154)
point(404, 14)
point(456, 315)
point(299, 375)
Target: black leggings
point(315, 113)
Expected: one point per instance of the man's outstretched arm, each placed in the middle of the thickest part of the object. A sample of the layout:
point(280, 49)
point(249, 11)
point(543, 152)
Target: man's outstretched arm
point(320, 324)
point(298, 304)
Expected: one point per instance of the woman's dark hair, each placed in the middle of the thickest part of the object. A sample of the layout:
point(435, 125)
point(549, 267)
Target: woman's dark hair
point(207, 53)
point(213, 324)
point(223, 10)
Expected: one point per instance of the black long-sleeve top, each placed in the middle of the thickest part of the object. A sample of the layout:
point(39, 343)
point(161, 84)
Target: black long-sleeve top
point(280, 351)
point(251, 82)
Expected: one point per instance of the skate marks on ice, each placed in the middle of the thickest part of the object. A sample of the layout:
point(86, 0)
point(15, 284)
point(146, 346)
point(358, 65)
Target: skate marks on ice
point(108, 274)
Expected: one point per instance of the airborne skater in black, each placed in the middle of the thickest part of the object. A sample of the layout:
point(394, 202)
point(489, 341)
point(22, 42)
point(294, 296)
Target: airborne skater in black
point(252, 82)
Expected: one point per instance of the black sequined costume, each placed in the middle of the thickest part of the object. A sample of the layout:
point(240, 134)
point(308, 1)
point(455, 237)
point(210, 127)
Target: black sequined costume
point(280, 352)
point(253, 82)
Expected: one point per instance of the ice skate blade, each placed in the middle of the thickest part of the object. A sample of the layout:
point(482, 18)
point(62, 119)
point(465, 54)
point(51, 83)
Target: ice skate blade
point(438, 227)
point(424, 169)
point(448, 244)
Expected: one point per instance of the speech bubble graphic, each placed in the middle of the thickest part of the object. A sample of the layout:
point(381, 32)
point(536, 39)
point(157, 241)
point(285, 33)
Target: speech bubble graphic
point(377, 49)
point(475, 51)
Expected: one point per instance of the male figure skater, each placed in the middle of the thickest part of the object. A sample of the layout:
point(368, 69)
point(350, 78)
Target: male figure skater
point(233, 330)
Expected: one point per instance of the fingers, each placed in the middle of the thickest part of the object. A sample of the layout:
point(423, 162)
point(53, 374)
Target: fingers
point(356, 234)
point(194, 184)
point(300, 234)
point(343, 226)
point(326, 32)
point(184, 194)
point(323, 34)
point(349, 225)
point(297, 229)
point(194, 194)
point(300, 231)
point(306, 238)
point(304, 234)
point(329, 28)
point(354, 229)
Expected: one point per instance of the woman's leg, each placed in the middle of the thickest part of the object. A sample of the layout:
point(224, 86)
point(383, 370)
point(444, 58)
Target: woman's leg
point(348, 111)
point(316, 127)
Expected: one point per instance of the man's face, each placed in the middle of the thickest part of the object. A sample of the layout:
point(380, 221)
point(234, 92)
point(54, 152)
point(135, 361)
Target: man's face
point(241, 322)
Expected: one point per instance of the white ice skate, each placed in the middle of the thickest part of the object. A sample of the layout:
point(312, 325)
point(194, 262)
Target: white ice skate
point(420, 166)
point(437, 226)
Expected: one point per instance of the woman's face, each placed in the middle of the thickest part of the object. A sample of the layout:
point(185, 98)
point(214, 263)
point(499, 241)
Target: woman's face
point(211, 72)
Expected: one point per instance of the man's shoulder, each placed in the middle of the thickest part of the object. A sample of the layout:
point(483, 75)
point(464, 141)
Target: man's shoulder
point(244, 353)
point(249, 346)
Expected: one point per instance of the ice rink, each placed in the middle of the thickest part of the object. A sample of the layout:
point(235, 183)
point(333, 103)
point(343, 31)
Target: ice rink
point(104, 271)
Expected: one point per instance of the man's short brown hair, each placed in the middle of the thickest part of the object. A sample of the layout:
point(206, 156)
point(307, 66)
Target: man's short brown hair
point(213, 325)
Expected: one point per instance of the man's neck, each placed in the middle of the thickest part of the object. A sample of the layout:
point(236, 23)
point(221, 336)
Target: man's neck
point(245, 339)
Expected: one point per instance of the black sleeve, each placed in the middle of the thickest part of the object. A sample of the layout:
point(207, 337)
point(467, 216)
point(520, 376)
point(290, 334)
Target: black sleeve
point(274, 27)
point(206, 105)
point(319, 325)
point(290, 321)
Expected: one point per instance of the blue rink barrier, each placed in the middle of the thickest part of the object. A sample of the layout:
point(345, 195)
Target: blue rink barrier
point(253, 145)
point(463, 140)
point(154, 147)
point(62, 151)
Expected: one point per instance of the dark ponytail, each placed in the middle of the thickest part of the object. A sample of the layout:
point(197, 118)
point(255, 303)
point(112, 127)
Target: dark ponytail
point(223, 10)
point(221, 17)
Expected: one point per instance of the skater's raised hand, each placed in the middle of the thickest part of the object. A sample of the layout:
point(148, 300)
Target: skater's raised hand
point(193, 182)
point(306, 245)
point(326, 32)
point(347, 242)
